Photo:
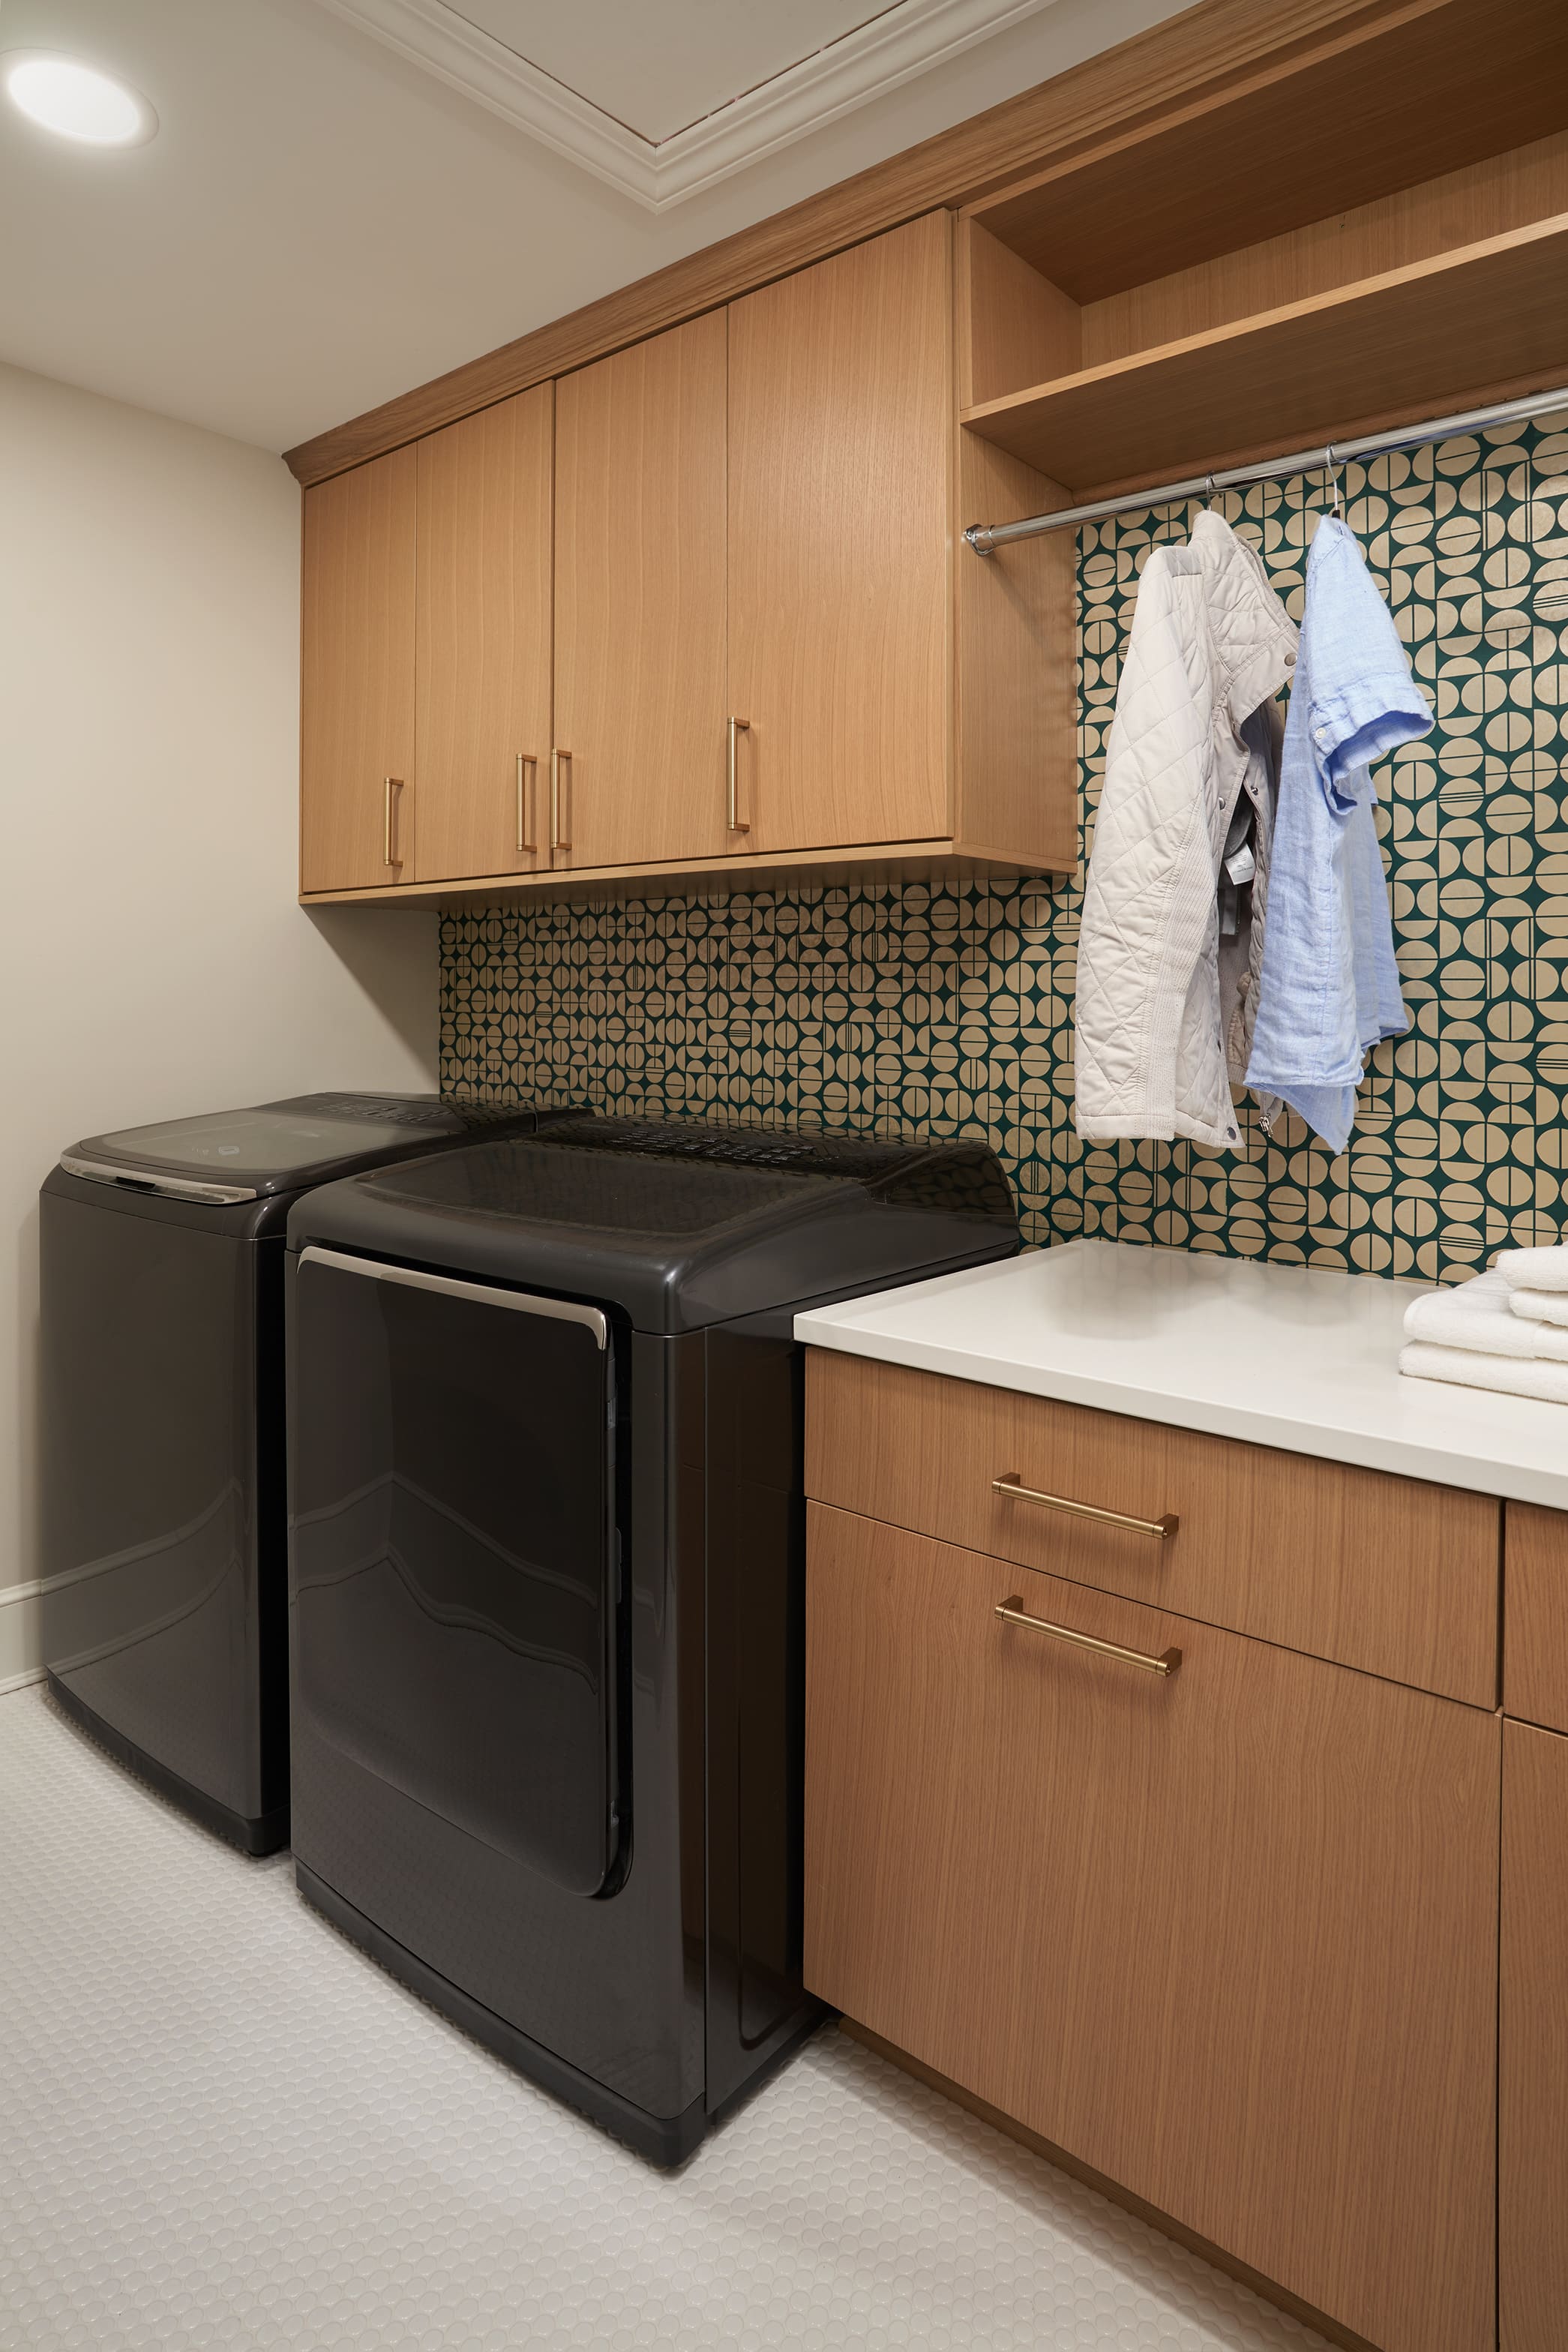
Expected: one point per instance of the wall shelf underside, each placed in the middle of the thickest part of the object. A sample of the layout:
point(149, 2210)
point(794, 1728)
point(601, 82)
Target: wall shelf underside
point(938, 861)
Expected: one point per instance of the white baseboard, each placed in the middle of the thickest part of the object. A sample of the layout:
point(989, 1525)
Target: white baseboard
point(21, 1659)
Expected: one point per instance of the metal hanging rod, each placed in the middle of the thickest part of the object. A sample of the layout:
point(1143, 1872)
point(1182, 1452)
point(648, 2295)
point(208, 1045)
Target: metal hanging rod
point(985, 537)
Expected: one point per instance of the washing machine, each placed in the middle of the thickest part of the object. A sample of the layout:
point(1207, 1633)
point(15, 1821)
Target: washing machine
point(162, 1535)
point(547, 1572)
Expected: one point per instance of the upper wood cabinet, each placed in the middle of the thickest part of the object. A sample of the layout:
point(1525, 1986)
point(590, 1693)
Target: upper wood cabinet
point(357, 704)
point(483, 638)
point(840, 446)
point(640, 601)
point(767, 643)
point(1080, 322)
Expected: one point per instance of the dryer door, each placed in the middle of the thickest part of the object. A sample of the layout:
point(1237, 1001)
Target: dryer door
point(454, 1553)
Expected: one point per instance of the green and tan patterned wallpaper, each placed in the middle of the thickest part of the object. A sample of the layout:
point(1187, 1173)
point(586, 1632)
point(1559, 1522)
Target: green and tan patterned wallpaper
point(951, 1010)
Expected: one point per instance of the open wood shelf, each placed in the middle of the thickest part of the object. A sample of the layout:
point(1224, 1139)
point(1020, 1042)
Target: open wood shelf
point(1383, 108)
point(1481, 322)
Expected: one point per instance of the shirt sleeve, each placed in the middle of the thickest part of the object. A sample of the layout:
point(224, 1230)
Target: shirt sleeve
point(1366, 703)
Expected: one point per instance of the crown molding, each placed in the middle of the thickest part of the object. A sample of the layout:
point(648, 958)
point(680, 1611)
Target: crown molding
point(907, 39)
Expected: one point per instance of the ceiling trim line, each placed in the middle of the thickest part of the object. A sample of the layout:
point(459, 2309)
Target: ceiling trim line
point(432, 35)
point(1211, 61)
point(902, 41)
point(905, 41)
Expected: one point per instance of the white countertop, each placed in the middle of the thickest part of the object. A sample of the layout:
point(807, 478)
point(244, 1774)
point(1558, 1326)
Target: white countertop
point(1289, 1355)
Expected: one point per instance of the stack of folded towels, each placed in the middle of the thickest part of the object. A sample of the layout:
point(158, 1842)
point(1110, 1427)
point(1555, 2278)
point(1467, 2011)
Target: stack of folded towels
point(1506, 1329)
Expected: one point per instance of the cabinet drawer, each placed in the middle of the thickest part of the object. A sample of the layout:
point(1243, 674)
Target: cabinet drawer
point(1388, 1574)
point(1535, 1615)
point(1228, 1935)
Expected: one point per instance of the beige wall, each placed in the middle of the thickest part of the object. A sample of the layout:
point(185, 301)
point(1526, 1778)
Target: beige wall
point(152, 961)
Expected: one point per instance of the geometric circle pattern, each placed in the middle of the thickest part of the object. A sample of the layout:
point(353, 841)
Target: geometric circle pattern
point(884, 1008)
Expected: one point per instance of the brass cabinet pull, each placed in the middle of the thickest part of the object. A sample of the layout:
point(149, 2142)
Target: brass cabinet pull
point(556, 841)
point(732, 811)
point(1012, 1612)
point(525, 800)
point(391, 856)
point(1012, 1484)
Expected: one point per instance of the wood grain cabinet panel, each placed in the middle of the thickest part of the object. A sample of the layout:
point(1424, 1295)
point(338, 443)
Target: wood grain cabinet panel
point(754, 520)
point(1535, 1618)
point(641, 675)
point(1227, 1937)
point(841, 439)
point(357, 676)
point(1532, 2152)
point(1388, 1574)
point(483, 640)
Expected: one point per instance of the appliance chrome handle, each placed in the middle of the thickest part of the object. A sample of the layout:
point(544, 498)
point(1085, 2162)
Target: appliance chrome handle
point(732, 811)
point(391, 856)
point(556, 840)
point(149, 1180)
point(524, 801)
point(1012, 1612)
point(1012, 1484)
point(446, 1286)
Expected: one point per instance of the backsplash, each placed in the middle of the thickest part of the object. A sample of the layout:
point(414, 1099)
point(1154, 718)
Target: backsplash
point(950, 1010)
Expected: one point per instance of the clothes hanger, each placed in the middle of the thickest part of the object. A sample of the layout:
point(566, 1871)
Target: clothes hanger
point(1333, 471)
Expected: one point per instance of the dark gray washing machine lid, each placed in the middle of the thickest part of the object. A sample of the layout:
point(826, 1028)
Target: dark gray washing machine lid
point(282, 1147)
point(678, 1222)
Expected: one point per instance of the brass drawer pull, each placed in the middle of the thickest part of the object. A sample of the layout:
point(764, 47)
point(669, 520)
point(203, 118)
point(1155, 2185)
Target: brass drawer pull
point(1012, 1484)
point(1012, 1612)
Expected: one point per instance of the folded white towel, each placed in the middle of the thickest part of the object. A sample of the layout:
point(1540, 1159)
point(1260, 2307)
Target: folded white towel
point(1536, 1269)
point(1518, 1375)
point(1476, 1314)
point(1542, 1309)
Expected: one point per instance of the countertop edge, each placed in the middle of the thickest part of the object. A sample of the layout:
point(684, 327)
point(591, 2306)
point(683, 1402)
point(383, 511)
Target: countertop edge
point(1513, 1482)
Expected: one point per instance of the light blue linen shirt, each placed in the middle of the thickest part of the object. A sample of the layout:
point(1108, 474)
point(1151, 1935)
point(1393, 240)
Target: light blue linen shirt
point(1329, 987)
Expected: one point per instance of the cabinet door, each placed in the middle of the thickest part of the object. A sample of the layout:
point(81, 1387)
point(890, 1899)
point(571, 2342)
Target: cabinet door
point(1227, 1935)
point(356, 688)
point(1532, 2184)
point(483, 633)
point(1535, 1615)
point(841, 457)
point(640, 601)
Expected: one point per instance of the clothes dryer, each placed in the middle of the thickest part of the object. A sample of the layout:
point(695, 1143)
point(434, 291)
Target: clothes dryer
point(547, 1577)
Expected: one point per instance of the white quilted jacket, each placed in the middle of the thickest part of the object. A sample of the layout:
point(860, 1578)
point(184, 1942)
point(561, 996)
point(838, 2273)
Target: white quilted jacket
point(1163, 1020)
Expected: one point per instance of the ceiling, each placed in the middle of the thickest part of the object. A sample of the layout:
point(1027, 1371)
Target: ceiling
point(663, 101)
point(665, 67)
point(347, 198)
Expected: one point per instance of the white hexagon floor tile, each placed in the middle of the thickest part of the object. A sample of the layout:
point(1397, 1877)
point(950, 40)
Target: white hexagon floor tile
point(222, 2129)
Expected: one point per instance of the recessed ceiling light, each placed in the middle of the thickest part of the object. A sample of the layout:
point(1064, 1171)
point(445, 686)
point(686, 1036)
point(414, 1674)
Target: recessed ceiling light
point(75, 101)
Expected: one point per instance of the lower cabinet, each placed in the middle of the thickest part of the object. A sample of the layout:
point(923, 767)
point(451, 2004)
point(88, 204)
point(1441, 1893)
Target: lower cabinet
point(1225, 1932)
point(1532, 2046)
